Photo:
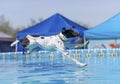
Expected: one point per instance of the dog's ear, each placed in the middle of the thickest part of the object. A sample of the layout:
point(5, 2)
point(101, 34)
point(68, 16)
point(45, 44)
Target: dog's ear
point(63, 29)
point(71, 28)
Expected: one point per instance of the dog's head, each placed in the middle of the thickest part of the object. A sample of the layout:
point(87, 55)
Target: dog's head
point(69, 33)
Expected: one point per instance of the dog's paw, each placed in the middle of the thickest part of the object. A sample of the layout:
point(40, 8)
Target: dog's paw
point(83, 65)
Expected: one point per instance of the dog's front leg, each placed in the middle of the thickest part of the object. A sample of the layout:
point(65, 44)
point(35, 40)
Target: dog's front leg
point(66, 54)
point(74, 60)
point(61, 48)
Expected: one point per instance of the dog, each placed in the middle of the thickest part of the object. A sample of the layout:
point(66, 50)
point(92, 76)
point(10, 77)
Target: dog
point(55, 42)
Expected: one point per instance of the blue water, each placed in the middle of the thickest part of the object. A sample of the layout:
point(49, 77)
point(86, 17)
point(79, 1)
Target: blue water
point(42, 69)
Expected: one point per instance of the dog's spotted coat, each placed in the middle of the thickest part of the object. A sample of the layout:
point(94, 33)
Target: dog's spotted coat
point(54, 42)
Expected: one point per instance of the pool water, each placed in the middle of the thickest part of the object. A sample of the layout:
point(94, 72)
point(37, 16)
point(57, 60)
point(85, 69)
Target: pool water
point(43, 69)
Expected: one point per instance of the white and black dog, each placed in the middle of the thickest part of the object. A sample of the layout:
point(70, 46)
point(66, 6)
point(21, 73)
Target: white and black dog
point(55, 42)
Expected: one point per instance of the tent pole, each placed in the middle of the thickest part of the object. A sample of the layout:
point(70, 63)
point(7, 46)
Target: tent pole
point(16, 47)
point(84, 41)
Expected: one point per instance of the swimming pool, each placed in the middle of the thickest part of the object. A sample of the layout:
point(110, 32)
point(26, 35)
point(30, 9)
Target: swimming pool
point(51, 68)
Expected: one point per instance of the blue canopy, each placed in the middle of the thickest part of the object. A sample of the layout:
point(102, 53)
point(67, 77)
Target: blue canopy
point(109, 29)
point(51, 26)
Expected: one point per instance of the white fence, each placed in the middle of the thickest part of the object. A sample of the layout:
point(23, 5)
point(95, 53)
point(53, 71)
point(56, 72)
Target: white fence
point(56, 56)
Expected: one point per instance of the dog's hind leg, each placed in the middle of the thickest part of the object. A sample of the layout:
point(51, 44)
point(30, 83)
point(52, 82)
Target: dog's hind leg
point(33, 48)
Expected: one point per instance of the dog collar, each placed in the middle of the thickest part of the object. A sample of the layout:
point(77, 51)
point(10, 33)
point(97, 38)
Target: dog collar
point(62, 37)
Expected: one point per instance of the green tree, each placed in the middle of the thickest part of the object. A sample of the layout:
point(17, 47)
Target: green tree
point(5, 26)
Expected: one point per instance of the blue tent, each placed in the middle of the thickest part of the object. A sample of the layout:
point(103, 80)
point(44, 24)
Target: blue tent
point(109, 29)
point(51, 26)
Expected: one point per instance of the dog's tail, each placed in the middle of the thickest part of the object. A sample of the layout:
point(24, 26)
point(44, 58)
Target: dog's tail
point(14, 43)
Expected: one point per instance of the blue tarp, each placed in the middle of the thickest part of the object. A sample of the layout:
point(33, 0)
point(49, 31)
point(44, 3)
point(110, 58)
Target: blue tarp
point(51, 26)
point(109, 29)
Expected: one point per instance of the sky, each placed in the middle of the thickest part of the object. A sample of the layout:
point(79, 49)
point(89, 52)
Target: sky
point(90, 12)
